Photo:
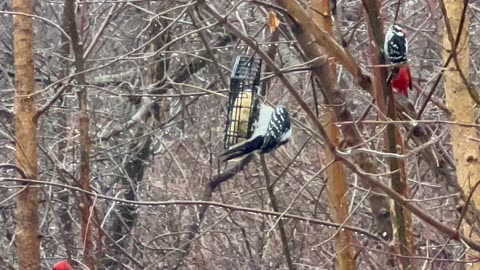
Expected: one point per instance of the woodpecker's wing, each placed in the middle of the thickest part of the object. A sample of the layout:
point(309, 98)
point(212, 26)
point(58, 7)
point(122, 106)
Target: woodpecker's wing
point(264, 116)
point(396, 46)
point(279, 130)
point(242, 149)
point(255, 142)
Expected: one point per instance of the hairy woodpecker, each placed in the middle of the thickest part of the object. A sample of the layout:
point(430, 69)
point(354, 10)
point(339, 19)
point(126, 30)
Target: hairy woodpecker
point(272, 130)
point(238, 127)
point(396, 51)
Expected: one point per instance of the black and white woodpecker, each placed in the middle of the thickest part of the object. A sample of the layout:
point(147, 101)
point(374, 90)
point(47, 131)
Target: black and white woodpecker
point(272, 130)
point(396, 51)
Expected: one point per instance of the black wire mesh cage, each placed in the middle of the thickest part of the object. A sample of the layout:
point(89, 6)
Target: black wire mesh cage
point(243, 101)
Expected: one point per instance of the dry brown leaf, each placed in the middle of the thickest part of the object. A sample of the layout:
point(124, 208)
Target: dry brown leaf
point(273, 21)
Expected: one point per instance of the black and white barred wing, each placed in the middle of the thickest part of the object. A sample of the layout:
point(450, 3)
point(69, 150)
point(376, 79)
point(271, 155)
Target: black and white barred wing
point(396, 46)
point(279, 130)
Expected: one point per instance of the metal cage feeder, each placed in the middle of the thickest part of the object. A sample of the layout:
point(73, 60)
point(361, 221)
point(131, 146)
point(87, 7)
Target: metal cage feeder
point(243, 99)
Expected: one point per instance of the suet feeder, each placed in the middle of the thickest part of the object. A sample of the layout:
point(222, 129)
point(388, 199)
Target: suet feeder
point(243, 99)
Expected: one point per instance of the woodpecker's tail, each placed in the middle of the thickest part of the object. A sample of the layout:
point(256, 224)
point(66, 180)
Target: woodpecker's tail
point(242, 149)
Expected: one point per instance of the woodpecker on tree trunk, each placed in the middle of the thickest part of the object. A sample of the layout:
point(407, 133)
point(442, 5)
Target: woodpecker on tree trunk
point(396, 51)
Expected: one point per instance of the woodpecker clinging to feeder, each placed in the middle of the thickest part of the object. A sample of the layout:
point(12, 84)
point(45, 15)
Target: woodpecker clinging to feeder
point(272, 130)
point(396, 50)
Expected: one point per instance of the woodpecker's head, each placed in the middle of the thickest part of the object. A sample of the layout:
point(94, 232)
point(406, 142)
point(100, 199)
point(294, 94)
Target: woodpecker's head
point(397, 29)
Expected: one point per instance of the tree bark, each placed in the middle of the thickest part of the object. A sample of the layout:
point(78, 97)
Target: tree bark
point(337, 182)
point(27, 237)
point(86, 206)
point(385, 100)
point(64, 197)
point(465, 151)
point(334, 97)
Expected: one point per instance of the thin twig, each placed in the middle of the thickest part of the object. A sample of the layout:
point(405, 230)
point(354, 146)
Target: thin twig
point(273, 201)
point(197, 203)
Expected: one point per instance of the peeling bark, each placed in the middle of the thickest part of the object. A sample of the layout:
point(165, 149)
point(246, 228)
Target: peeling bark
point(337, 180)
point(465, 151)
point(26, 234)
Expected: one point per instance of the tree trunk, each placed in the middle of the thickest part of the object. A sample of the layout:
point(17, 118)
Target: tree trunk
point(304, 32)
point(384, 98)
point(27, 238)
point(465, 151)
point(64, 197)
point(86, 206)
point(337, 184)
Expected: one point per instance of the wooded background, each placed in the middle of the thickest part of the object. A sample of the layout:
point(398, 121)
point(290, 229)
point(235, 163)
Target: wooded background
point(113, 113)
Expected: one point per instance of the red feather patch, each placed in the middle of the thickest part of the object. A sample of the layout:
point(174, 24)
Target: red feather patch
point(402, 81)
point(62, 265)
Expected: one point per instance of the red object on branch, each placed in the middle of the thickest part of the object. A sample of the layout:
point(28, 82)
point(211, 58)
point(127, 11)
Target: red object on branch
point(402, 80)
point(62, 265)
